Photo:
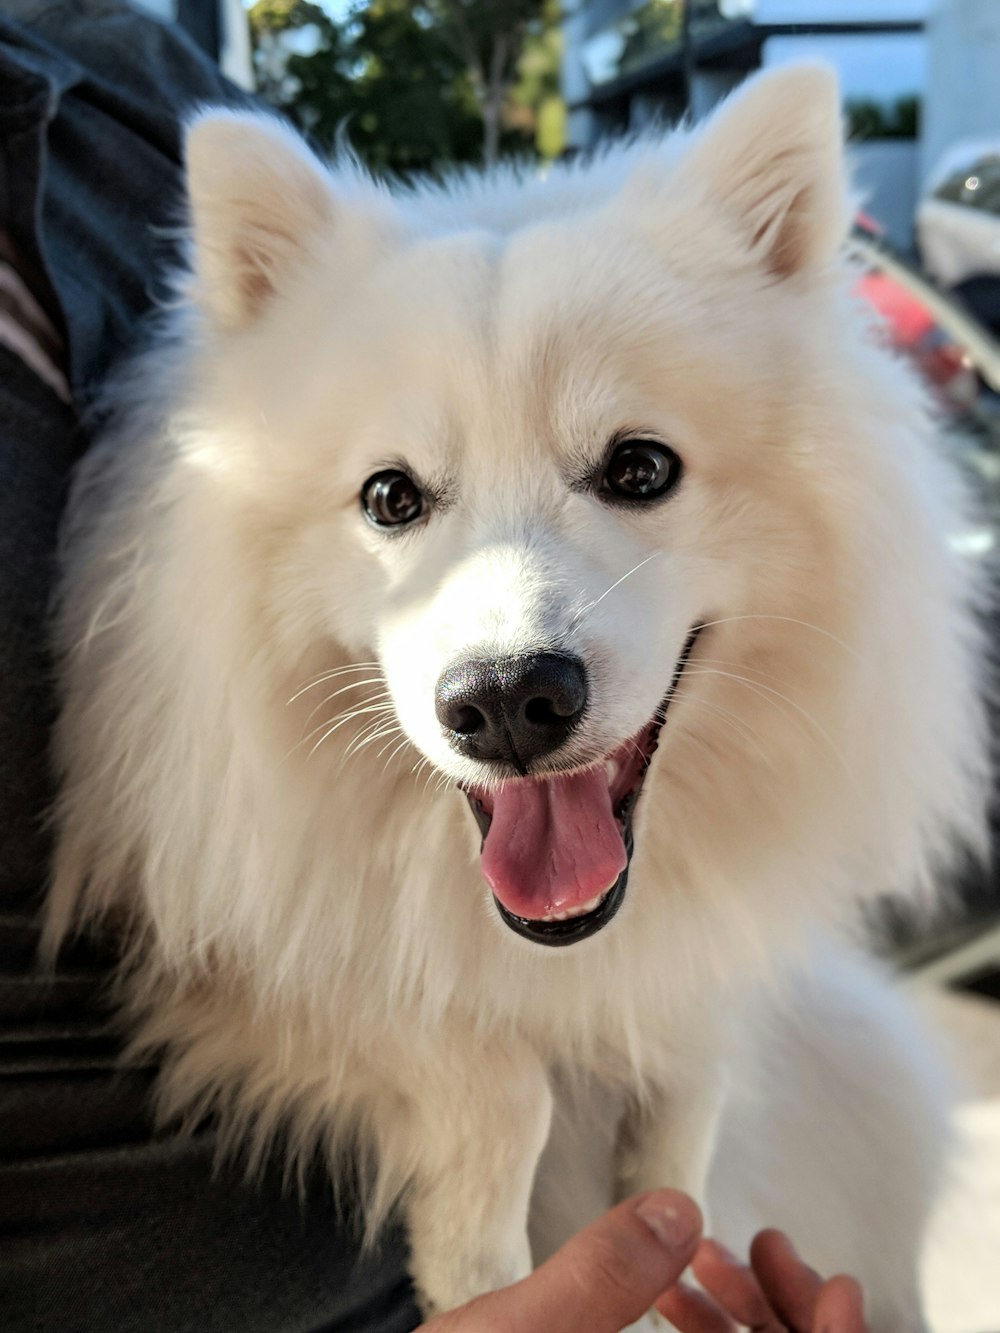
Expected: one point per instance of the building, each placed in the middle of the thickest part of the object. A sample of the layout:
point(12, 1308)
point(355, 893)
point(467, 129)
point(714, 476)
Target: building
point(631, 62)
point(627, 60)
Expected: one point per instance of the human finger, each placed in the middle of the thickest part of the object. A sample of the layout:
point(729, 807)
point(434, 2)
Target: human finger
point(604, 1278)
point(735, 1287)
point(693, 1311)
point(840, 1306)
point(791, 1287)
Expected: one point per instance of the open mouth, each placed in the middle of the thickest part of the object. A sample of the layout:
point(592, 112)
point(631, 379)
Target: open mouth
point(556, 849)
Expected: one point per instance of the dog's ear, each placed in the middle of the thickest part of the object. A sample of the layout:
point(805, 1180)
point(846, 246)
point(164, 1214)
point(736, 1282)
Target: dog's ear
point(772, 156)
point(258, 198)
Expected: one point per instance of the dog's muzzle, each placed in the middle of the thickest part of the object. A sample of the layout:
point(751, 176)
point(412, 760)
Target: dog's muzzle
point(556, 846)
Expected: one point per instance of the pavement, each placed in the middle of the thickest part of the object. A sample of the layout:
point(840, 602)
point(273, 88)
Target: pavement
point(961, 1270)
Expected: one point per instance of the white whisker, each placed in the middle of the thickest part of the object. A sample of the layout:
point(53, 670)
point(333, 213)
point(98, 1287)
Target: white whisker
point(791, 620)
point(329, 675)
point(777, 698)
point(585, 610)
point(401, 745)
point(372, 732)
point(384, 709)
point(700, 660)
point(374, 706)
point(739, 725)
point(372, 680)
point(376, 732)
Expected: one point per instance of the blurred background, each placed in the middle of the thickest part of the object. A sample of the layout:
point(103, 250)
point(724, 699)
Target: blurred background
point(422, 86)
point(424, 83)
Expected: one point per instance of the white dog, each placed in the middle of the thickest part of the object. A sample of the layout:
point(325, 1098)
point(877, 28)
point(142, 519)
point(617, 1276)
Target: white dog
point(434, 514)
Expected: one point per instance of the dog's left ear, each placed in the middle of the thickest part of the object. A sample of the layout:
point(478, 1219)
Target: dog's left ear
point(772, 157)
point(257, 196)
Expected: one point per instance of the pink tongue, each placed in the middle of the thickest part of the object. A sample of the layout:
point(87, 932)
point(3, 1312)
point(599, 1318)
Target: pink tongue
point(553, 845)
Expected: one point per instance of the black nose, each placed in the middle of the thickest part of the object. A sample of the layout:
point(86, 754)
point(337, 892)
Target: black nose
point(512, 708)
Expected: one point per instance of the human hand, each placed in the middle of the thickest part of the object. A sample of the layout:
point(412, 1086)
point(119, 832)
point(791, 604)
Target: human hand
point(604, 1278)
point(776, 1292)
point(631, 1259)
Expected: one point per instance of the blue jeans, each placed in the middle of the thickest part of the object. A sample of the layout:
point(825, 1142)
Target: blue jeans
point(104, 1224)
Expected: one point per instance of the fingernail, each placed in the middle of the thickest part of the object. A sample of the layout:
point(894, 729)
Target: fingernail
point(673, 1220)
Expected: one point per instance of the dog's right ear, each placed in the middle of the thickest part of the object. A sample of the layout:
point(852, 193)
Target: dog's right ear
point(771, 159)
point(259, 199)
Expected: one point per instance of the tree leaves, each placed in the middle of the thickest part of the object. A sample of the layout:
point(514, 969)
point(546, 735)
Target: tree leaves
point(414, 85)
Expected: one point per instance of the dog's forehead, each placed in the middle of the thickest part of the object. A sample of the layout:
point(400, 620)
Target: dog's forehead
point(495, 334)
point(477, 359)
point(548, 292)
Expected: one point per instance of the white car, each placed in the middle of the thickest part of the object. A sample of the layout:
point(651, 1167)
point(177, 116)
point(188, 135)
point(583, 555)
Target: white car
point(958, 221)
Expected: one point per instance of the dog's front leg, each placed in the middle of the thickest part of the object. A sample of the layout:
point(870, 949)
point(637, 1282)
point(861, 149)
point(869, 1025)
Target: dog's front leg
point(669, 1141)
point(480, 1127)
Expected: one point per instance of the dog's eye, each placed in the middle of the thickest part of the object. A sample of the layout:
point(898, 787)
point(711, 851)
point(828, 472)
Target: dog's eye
point(641, 470)
point(391, 498)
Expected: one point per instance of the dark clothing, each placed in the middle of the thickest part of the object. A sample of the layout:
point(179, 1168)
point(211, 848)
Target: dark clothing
point(104, 1224)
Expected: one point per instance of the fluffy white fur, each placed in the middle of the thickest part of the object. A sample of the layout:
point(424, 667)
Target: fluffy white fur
point(256, 789)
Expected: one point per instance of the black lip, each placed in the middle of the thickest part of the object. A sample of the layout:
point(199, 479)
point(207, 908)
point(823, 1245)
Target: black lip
point(559, 934)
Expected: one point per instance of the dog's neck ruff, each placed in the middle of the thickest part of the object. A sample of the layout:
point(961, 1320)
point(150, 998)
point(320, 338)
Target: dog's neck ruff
point(556, 850)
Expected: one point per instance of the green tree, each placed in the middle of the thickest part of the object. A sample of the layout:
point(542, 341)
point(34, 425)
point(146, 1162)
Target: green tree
point(300, 55)
point(415, 104)
point(868, 119)
point(536, 104)
point(416, 84)
point(490, 37)
point(386, 77)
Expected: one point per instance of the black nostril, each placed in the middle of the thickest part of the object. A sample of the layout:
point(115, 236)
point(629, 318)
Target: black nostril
point(541, 711)
point(465, 719)
point(513, 709)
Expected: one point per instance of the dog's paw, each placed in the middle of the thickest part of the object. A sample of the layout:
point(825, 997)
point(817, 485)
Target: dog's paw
point(441, 1284)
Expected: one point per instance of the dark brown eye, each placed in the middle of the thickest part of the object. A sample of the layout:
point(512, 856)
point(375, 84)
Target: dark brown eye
point(391, 498)
point(641, 470)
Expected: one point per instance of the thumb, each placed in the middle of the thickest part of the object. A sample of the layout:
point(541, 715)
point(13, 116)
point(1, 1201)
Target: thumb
point(606, 1276)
